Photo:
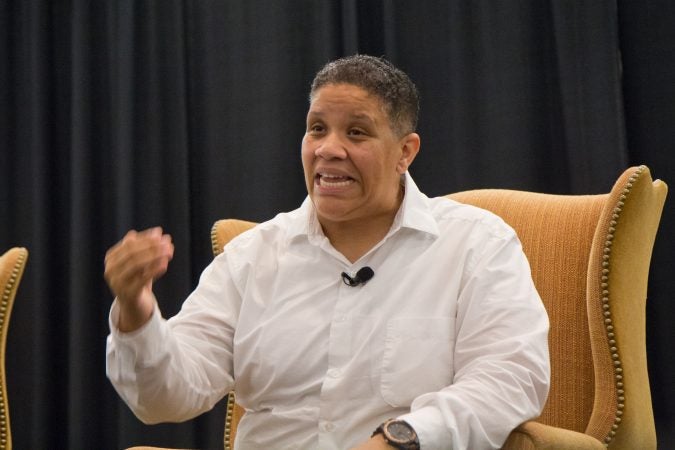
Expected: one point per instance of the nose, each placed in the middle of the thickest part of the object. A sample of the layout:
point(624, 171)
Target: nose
point(331, 147)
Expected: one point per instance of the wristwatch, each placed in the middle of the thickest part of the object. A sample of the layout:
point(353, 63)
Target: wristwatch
point(399, 434)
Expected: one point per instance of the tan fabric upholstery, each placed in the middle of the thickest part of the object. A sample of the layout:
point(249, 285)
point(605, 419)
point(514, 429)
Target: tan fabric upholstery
point(618, 275)
point(537, 436)
point(555, 231)
point(12, 265)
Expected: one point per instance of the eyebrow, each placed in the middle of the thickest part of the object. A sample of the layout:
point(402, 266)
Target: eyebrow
point(356, 116)
point(364, 117)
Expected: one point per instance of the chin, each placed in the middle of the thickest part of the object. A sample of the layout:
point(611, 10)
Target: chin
point(332, 213)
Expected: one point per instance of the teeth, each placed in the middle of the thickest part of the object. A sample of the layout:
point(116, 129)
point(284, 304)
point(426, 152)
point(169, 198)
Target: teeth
point(327, 183)
point(326, 180)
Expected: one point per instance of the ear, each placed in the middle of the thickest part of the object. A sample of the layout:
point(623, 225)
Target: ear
point(410, 146)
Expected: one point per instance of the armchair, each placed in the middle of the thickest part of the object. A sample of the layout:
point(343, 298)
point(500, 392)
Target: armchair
point(12, 264)
point(590, 257)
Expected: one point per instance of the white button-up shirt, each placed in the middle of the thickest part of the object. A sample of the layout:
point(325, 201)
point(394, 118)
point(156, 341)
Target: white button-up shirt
point(449, 335)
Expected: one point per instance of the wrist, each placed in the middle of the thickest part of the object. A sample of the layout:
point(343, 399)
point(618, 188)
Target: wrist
point(382, 442)
point(398, 434)
point(131, 317)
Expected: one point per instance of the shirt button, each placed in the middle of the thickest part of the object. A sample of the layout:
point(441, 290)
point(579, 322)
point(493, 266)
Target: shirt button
point(334, 373)
point(340, 319)
point(328, 427)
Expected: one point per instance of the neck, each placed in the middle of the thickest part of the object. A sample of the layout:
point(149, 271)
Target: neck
point(355, 238)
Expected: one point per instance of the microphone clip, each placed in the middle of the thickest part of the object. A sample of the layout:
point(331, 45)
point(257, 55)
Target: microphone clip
point(361, 277)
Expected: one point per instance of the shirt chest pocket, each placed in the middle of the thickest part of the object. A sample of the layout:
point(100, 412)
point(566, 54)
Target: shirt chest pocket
point(417, 358)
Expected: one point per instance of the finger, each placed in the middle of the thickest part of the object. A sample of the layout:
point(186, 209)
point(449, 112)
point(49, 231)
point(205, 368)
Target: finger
point(137, 243)
point(139, 258)
point(142, 265)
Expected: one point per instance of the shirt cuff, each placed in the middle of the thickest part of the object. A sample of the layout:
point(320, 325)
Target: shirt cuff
point(430, 428)
point(144, 340)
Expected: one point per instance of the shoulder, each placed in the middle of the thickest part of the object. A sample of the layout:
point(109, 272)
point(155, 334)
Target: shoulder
point(450, 214)
point(270, 233)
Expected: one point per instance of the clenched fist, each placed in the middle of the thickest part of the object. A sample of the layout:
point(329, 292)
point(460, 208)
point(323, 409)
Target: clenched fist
point(130, 268)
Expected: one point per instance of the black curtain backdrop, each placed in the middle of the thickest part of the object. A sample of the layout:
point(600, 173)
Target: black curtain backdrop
point(128, 114)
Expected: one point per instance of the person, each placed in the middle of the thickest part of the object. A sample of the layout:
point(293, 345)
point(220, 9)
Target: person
point(371, 317)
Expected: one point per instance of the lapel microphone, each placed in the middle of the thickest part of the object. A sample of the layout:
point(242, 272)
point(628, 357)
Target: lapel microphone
point(362, 276)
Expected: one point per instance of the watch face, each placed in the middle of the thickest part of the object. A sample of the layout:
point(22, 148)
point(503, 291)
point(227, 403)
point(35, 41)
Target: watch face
point(400, 432)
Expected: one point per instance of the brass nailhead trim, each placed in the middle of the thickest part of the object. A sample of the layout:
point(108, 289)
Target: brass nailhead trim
point(228, 420)
point(606, 304)
point(214, 233)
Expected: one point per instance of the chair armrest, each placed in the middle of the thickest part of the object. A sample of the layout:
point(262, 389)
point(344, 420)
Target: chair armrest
point(535, 435)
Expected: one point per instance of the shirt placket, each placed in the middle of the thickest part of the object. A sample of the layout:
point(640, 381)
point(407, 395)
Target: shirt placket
point(331, 413)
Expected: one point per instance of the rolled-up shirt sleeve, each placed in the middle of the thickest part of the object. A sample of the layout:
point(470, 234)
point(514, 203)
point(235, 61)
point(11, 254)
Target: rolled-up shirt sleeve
point(501, 359)
point(173, 370)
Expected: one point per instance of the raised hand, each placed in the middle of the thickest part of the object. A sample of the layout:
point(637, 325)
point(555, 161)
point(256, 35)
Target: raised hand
point(130, 268)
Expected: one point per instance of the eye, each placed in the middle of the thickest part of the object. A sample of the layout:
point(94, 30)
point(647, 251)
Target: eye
point(356, 132)
point(315, 128)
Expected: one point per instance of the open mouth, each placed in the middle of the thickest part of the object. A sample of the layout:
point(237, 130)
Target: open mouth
point(332, 181)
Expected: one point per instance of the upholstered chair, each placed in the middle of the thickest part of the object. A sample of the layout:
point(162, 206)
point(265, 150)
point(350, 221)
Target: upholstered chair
point(12, 264)
point(590, 257)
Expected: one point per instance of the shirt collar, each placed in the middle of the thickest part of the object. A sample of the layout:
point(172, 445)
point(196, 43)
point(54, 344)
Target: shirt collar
point(305, 222)
point(414, 213)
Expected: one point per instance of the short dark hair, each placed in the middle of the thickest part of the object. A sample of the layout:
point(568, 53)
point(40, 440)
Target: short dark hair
point(379, 77)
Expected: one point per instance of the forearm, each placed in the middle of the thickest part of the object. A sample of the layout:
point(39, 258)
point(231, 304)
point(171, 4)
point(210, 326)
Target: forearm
point(160, 378)
point(501, 362)
point(134, 316)
point(477, 414)
point(176, 369)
